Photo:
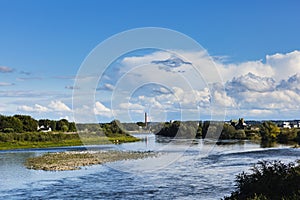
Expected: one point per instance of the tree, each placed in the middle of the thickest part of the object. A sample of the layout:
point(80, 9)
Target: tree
point(228, 132)
point(53, 125)
point(60, 125)
point(72, 127)
point(287, 135)
point(269, 131)
point(29, 124)
point(44, 122)
point(10, 124)
point(64, 128)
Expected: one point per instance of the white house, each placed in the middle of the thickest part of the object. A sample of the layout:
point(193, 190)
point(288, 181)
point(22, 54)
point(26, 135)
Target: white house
point(44, 129)
point(286, 125)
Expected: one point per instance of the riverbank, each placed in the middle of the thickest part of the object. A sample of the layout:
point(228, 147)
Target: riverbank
point(10, 141)
point(63, 161)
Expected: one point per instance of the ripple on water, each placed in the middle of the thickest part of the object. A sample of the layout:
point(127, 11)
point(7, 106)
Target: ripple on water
point(191, 177)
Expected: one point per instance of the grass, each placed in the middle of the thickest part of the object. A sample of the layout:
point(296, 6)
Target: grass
point(67, 141)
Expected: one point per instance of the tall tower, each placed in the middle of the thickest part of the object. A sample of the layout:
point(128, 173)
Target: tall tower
point(146, 122)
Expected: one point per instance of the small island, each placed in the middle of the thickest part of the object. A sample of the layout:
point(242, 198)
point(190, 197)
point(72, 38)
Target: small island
point(74, 160)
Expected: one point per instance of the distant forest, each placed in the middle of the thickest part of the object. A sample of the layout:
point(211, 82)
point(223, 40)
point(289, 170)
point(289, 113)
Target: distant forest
point(25, 123)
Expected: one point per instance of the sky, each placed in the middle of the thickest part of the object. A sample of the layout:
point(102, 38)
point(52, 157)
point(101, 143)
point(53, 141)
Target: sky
point(254, 45)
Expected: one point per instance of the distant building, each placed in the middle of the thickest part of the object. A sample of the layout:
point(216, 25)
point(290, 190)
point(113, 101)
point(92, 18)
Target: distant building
point(238, 124)
point(44, 129)
point(286, 125)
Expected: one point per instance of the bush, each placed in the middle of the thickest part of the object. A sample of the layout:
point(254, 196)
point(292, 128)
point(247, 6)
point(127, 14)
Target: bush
point(8, 130)
point(287, 135)
point(269, 131)
point(269, 180)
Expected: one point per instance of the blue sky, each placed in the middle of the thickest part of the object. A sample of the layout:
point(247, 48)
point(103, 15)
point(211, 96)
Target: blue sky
point(43, 44)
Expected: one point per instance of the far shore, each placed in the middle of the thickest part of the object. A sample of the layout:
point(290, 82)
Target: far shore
point(28, 140)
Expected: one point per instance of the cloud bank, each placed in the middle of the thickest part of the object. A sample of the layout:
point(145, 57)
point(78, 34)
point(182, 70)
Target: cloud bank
point(258, 89)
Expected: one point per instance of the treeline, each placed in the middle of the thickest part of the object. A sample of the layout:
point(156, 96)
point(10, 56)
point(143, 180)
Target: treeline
point(114, 128)
point(267, 131)
point(202, 129)
point(187, 129)
point(270, 132)
point(25, 123)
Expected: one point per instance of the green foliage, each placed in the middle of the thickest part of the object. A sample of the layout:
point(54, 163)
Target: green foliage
point(269, 131)
point(228, 132)
point(62, 125)
point(10, 124)
point(287, 135)
point(53, 125)
point(240, 134)
point(72, 127)
point(187, 129)
point(36, 137)
point(24, 123)
point(44, 122)
point(297, 139)
point(268, 180)
point(29, 124)
point(114, 128)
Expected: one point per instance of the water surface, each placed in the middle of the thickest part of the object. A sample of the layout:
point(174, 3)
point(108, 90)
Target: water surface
point(202, 170)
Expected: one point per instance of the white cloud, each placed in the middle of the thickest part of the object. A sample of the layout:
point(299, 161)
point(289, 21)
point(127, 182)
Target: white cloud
point(132, 106)
point(229, 71)
point(59, 106)
point(35, 108)
point(146, 59)
point(222, 100)
point(250, 82)
point(102, 110)
point(109, 86)
point(284, 65)
point(256, 87)
point(293, 83)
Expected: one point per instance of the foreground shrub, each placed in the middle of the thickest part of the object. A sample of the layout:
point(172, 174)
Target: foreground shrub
point(268, 180)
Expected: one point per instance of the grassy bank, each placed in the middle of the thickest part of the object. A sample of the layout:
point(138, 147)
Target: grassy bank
point(44, 140)
point(75, 160)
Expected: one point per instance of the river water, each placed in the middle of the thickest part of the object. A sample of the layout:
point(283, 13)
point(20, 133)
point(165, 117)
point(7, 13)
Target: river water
point(183, 169)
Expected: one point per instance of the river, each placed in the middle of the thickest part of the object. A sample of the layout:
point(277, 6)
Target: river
point(184, 169)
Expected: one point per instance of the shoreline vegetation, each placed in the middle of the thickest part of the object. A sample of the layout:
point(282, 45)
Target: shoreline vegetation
point(22, 131)
point(9, 141)
point(267, 133)
point(75, 160)
point(269, 180)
